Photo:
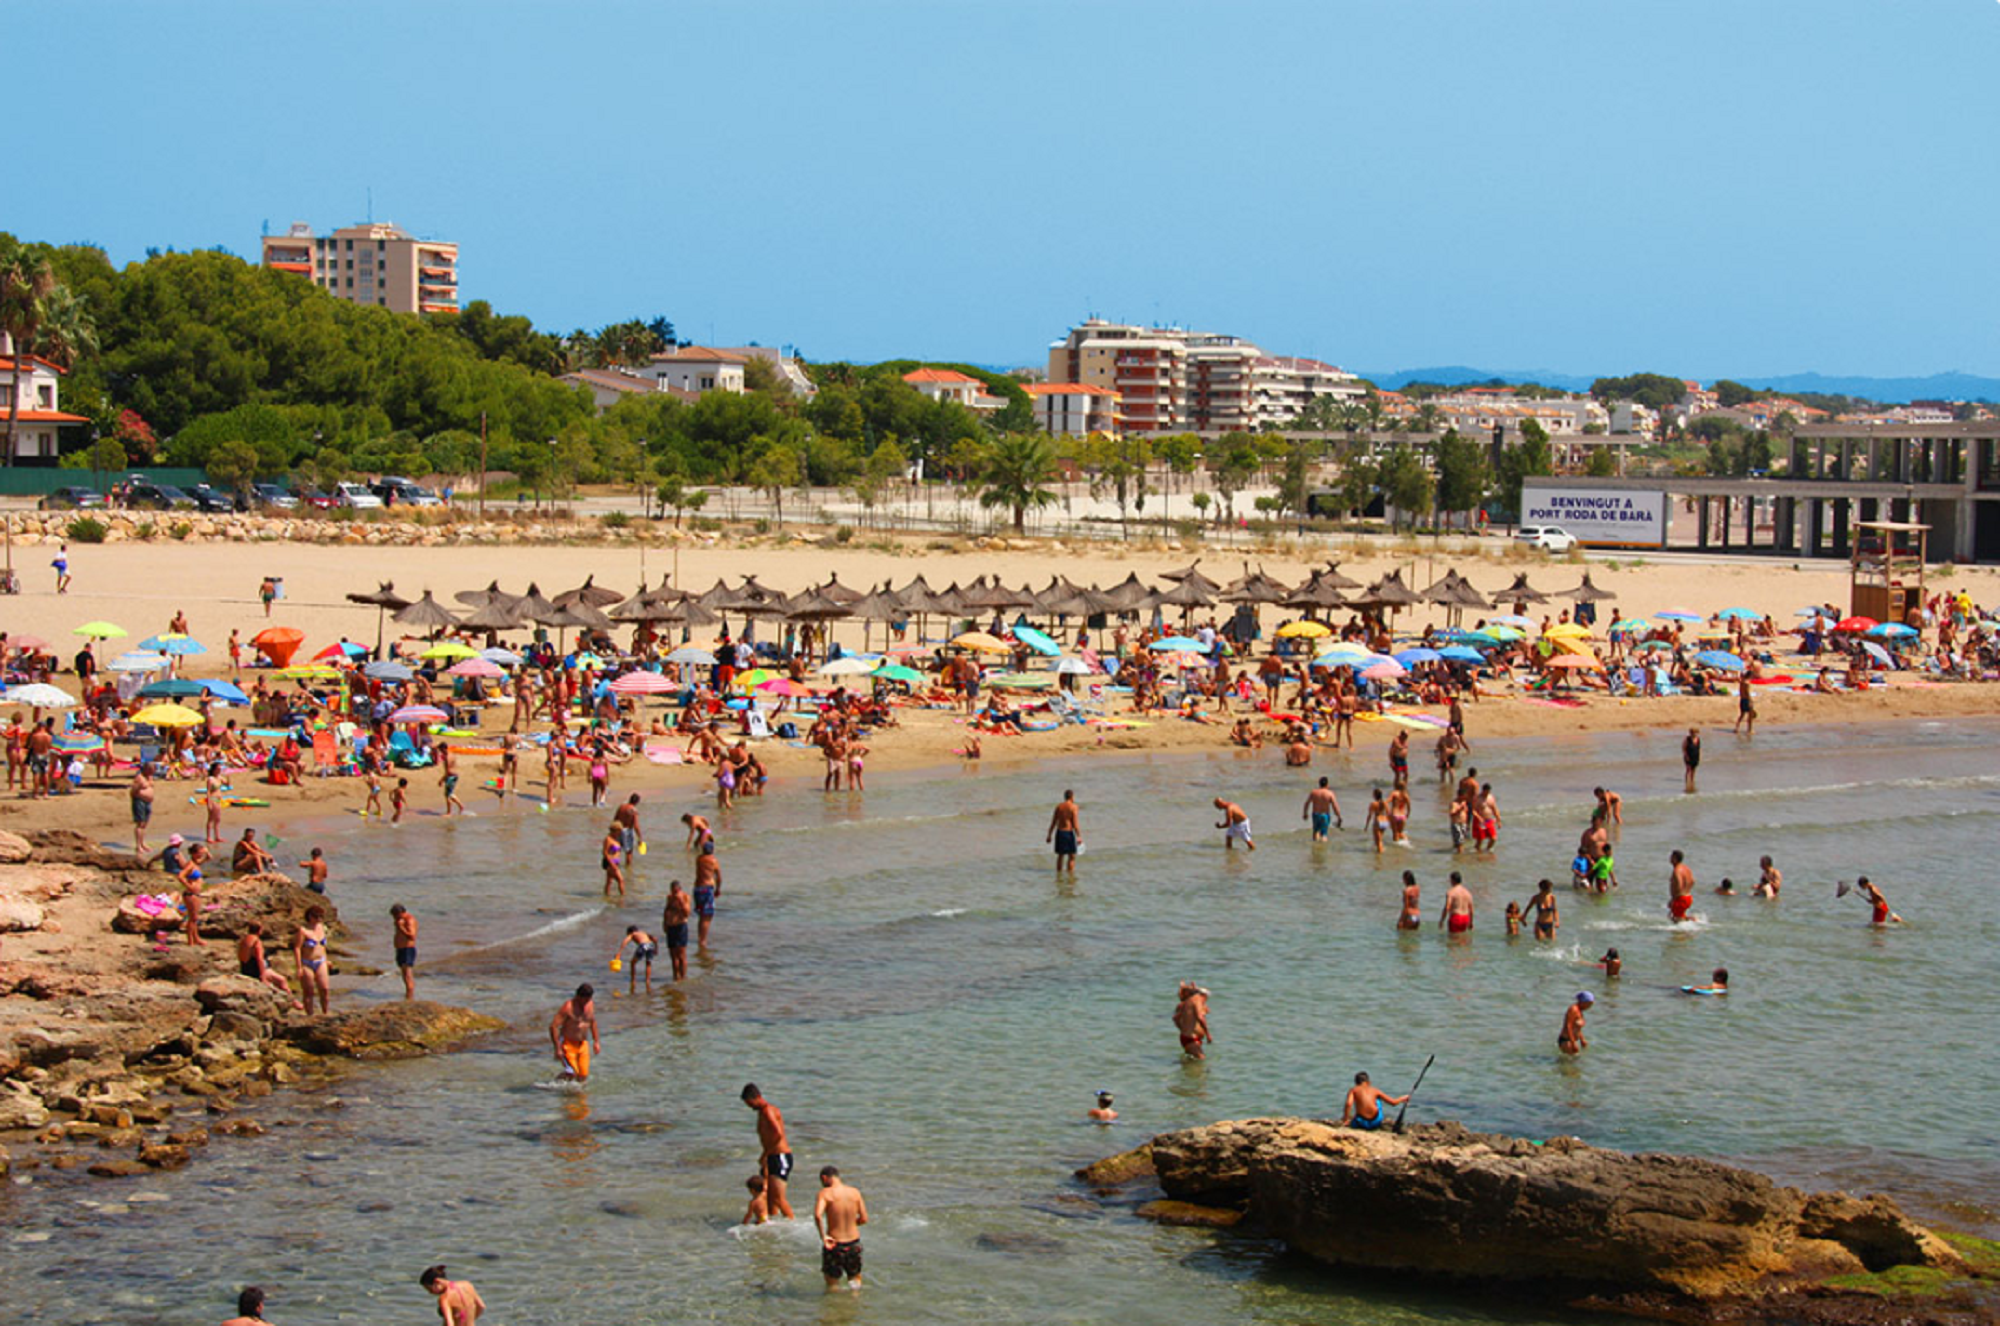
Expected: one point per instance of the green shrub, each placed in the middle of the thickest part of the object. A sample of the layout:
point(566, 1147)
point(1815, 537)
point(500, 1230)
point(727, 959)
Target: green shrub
point(615, 520)
point(145, 529)
point(844, 534)
point(86, 529)
point(762, 526)
point(181, 529)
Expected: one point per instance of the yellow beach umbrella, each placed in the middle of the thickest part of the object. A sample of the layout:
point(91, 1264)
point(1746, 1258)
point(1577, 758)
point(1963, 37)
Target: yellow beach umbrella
point(1308, 629)
point(449, 649)
point(310, 672)
point(743, 681)
point(983, 642)
point(101, 630)
point(167, 715)
point(1568, 631)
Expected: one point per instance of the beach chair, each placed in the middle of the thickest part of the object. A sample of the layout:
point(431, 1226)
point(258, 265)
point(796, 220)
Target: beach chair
point(759, 725)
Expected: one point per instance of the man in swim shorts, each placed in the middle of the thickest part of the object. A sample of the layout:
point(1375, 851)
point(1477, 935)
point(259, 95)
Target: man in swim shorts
point(1399, 759)
point(1456, 918)
point(1882, 916)
point(707, 883)
point(1323, 809)
point(1363, 1109)
point(674, 921)
point(1680, 888)
point(1191, 1019)
point(573, 1034)
point(776, 1158)
point(1063, 832)
point(644, 949)
point(838, 1215)
point(406, 948)
point(626, 820)
point(448, 777)
point(1235, 825)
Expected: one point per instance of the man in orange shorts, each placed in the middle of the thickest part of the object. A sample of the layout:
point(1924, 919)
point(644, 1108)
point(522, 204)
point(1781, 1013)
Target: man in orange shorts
point(573, 1034)
point(1680, 888)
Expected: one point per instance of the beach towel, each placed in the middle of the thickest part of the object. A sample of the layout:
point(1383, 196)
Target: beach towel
point(664, 755)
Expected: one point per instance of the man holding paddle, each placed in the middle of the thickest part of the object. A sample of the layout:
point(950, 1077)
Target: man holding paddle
point(1363, 1109)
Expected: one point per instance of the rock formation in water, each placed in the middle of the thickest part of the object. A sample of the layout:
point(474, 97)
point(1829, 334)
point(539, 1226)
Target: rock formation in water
point(1447, 1201)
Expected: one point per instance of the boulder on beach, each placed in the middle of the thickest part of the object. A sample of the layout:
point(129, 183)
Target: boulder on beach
point(402, 1030)
point(1444, 1200)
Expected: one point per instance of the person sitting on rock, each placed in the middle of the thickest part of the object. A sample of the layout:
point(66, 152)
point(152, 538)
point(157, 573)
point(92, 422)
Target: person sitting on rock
point(249, 858)
point(1363, 1109)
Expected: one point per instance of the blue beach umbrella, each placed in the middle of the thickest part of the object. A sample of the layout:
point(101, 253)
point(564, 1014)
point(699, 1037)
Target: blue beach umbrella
point(1472, 638)
point(1514, 619)
point(173, 645)
point(1720, 660)
point(1740, 614)
point(1891, 631)
point(388, 669)
point(226, 692)
point(1630, 624)
point(506, 658)
point(1037, 641)
point(1409, 658)
point(1461, 654)
point(1173, 644)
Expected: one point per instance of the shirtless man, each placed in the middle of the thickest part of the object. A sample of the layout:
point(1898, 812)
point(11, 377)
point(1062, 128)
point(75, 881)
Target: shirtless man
point(1746, 708)
point(707, 883)
point(1680, 887)
point(1768, 880)
point(1544, 905)
point(1610, 808)
point(1191, 1020)
point(1456, 917)
point(1323, 809)
point(459, 1304)
point(406, 947)
point(698, 831)
point(1571, 1040)
point(448, 778)
point(1298, 754)
point(249, 858)
point(1343, 716)
point(838, 1215)
point(1412, 916)
point(1399, 815)
point(1064, 829)
point(317, 870)
point(1881, 916)
point(1378, 819)
point(573, 1034)
point(141, 799)
point(1448, 748)
point(1235, 825)
point(1363, 1109)
point(776, 1157)
point(249, 1308)
point(1102, 1111)
point(674, 922)
point(1485, 820)
point(1399, 759)
point(626, 820)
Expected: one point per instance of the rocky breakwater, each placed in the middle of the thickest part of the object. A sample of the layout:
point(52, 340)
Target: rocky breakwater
point(1661, 1235)
point(121, 1048)
point(430, 529)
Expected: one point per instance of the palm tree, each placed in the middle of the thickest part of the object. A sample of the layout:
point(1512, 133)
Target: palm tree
point(26, 282)
point(1020, 463)
point(68, 331)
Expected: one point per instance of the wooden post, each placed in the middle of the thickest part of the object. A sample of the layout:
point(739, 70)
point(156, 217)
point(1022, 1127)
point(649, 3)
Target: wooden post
point(482, 465)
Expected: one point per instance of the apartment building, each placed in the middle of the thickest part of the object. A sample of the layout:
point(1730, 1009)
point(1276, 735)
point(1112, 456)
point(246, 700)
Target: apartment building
point(1169, 380)
point(1147, 367)
point(1482, 409)
point(39, 424)
point(1074, 409)
point(376, 264)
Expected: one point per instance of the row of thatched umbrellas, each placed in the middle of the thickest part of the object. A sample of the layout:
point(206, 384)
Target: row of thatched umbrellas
point(494, 609)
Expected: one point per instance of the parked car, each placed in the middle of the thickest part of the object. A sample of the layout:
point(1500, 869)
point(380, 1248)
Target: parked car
point(207, 497)
point(355, 497)
point(314, 498)
point(144, 495)
point(1549, 538)
point(72, 498)
point(396, 491)
point(272, 495)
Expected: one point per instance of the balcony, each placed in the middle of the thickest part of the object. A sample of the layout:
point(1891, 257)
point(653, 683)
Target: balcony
point(288, 265)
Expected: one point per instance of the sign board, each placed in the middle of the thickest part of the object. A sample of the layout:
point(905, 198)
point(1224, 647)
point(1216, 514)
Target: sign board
point(1622, 517)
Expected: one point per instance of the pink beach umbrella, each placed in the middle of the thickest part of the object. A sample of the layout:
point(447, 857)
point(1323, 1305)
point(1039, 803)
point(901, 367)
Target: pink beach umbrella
point(784, 686)
point(1387, 670)
point(475, 667)
point(418, 713)
point(642, 683)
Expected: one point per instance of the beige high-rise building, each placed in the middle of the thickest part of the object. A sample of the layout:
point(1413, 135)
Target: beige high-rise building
point(377, 264)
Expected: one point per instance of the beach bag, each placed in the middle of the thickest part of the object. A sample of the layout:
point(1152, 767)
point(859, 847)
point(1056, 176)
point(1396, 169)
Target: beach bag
point(789, 731)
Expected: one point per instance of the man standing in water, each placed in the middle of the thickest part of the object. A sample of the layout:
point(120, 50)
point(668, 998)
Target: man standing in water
point(1235, 825)
point(838, 1215)
point(1363, 1109)
point(1323, 809)
point(1680, 888)
point(1456, 918)
point(1063, 831)
point(776, 1157)
point(1690, 757)
point(707, 883)
point(626, 819)
point(448, 777)
point(573, 1034)
point(1746, 707)
point(1191, 1020)
point(674, 921)
point(1570, 1040)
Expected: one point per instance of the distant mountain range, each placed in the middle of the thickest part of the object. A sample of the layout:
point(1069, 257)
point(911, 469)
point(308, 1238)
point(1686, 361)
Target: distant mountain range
point(1889, 391)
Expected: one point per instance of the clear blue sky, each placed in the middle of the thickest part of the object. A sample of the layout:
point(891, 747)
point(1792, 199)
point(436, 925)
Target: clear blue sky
point(1716, 186)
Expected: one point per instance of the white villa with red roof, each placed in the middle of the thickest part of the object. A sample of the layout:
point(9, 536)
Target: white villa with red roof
point(39, 424)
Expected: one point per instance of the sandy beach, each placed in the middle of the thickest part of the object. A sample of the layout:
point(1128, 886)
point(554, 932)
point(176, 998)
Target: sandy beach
point(140, 587)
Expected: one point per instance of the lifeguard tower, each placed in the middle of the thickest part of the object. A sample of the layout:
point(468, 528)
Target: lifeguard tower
point(1886, 580)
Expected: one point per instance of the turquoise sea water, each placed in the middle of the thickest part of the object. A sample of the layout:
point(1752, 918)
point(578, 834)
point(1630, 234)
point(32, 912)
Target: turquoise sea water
point(904, 976)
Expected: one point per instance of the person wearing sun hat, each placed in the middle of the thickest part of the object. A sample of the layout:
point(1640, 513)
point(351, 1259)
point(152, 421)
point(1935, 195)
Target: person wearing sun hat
point(1571, 1039)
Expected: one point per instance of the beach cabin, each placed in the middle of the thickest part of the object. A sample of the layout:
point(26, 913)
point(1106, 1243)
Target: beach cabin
point(1886, 576)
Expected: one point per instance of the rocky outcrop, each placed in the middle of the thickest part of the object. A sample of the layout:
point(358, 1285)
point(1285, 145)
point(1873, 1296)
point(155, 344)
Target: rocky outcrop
point(390, 1031)
point(1447, 1201)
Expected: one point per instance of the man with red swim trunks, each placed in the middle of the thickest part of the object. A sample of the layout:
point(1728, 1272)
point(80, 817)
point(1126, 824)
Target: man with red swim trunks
point(1457, 915)
point(1680, 888)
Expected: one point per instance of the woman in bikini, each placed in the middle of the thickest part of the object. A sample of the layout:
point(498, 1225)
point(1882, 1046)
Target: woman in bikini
point(190, 877)
point(309, 949)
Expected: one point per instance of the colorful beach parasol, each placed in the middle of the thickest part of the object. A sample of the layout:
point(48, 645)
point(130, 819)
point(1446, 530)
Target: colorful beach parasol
point(167, 715)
